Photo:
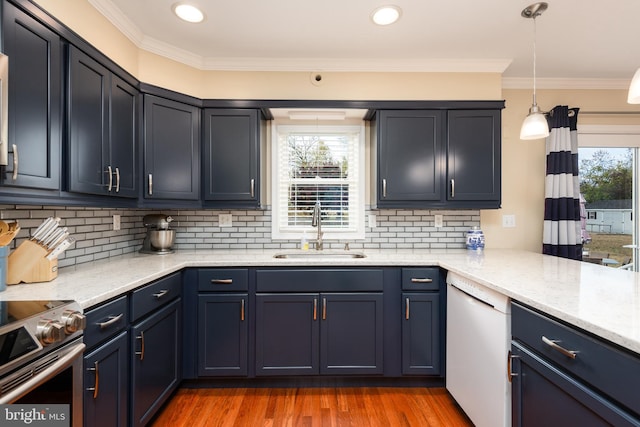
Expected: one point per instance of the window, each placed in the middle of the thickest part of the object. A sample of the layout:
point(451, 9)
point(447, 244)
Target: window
point(322, 164)
point(609, 159)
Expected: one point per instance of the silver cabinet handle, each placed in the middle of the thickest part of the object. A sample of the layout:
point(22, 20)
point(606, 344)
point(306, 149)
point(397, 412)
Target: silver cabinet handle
point(324, 309)
point(510, 373)
point(96, 382)
point(150, 179)
point(406, 309)
point(109, 173)
point(15, 162)
point(222, 281)
point(384, 188)
point(242, 310)
point(315, 309)
point(554, 345)
point(253, 187)
point(111, 321)
point(161, 293)
point(117, 180)
point(453, 188)
point(141, 352)
point(421, 280)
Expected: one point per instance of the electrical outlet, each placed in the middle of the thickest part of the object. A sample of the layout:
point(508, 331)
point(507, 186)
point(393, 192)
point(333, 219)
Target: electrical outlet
point(224, 220)
point(508, 221)
point(437, 219)
point(372, 221)
point(116, 222)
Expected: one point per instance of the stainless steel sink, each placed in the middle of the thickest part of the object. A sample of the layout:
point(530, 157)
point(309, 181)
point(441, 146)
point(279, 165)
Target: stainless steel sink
point(319, 255)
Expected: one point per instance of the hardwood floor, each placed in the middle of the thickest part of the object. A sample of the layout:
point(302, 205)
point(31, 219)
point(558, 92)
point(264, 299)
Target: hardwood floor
point(325, 406)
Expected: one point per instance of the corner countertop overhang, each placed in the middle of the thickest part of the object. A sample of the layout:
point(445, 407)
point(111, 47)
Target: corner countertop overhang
point(602, 300)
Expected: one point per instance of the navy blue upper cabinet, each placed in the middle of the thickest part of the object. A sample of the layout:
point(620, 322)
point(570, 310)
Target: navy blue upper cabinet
point(410, 151)
point(103, 119)
point(473, 156)
point(171, 149)
point(231, 157)
point(35, 99)
point(441, 158)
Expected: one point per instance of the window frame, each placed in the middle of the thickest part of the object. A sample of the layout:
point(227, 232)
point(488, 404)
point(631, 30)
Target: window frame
point(358, 213)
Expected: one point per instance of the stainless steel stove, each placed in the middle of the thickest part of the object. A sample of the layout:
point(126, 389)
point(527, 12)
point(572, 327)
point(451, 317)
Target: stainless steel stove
point(41, 343)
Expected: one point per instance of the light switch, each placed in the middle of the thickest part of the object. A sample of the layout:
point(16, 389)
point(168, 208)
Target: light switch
point(437, 219)
point(372, 221)
point(116, 222)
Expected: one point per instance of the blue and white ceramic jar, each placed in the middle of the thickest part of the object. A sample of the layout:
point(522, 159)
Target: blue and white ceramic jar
point(475, 239)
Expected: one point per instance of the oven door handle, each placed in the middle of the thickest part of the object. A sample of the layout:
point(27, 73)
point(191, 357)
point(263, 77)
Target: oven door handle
point(63, 363)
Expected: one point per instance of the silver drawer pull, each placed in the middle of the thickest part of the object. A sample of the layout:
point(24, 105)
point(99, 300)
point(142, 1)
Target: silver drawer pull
point(554, 345)
point(453, 188)
point(406, 309)
point(253, 187)
point(161, 293)
point(117, 180)
point(510, 373)
point(111, 321)
point(222, 281)
point(421, 280)
point(150, 184)
point(242, 310)
point(384, 188)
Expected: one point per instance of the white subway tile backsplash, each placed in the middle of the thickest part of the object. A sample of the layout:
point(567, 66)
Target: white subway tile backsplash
point(199, 229)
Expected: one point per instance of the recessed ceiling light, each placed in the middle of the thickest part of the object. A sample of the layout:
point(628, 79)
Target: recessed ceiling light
point(386, 15)
point(188, 12)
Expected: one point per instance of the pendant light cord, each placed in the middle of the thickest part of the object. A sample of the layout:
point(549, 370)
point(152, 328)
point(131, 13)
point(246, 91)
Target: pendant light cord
point(535, 36)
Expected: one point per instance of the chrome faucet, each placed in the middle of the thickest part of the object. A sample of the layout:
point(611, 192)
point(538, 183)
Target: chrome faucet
point(316, 221)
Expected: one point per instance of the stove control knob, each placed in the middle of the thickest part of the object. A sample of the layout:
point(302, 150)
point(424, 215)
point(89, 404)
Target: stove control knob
point(50, 331)
point(73, 321)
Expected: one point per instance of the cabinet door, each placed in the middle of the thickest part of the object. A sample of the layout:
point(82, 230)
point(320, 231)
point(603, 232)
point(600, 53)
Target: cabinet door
point(35, 99)
point(155, 351)
point(171, 149)
point(410, 156)
point(124, 130)
point(473, 155)
point(89, 86)
point(231, 153)
point(351, 333)
point(543, 395)
point(287, 334)
point(106, 384)
point(222, 335)
point(421, 333)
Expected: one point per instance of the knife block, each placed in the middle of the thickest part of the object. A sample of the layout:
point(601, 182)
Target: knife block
point(28, 264)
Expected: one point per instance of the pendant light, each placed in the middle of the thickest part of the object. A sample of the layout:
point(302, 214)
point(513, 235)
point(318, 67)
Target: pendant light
point(535, 125)
point(634, 89)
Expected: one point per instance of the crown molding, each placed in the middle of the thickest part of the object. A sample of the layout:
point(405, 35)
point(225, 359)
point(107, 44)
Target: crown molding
point(564, 83)
point(119, 20)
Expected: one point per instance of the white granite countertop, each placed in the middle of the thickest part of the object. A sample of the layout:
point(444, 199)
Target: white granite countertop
point(602, 300)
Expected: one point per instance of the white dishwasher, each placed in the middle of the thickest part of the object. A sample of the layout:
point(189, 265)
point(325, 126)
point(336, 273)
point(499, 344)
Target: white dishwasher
point(478, 342)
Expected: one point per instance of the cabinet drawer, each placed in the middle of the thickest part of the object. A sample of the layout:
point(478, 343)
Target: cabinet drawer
point(223, 280)
point(105, 321)
point(613, 371)
point(421, 279)
point(319, 280)
point(155, 295)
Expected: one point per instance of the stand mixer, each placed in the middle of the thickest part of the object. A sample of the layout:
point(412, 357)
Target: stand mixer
point(160, 237)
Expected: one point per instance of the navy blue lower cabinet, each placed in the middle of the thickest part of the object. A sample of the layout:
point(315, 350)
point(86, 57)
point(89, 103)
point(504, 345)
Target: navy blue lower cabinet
point(543, 395)
point(106, 384)
point(155, 369)
point(319, 333)
point(223, 321)
point(287, 334)
point(421, 333)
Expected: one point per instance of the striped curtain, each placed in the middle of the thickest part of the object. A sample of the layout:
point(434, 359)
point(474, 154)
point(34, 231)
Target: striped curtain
point(562, 187)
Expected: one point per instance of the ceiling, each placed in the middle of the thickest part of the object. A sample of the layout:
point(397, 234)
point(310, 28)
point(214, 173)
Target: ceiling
point(577, 40)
